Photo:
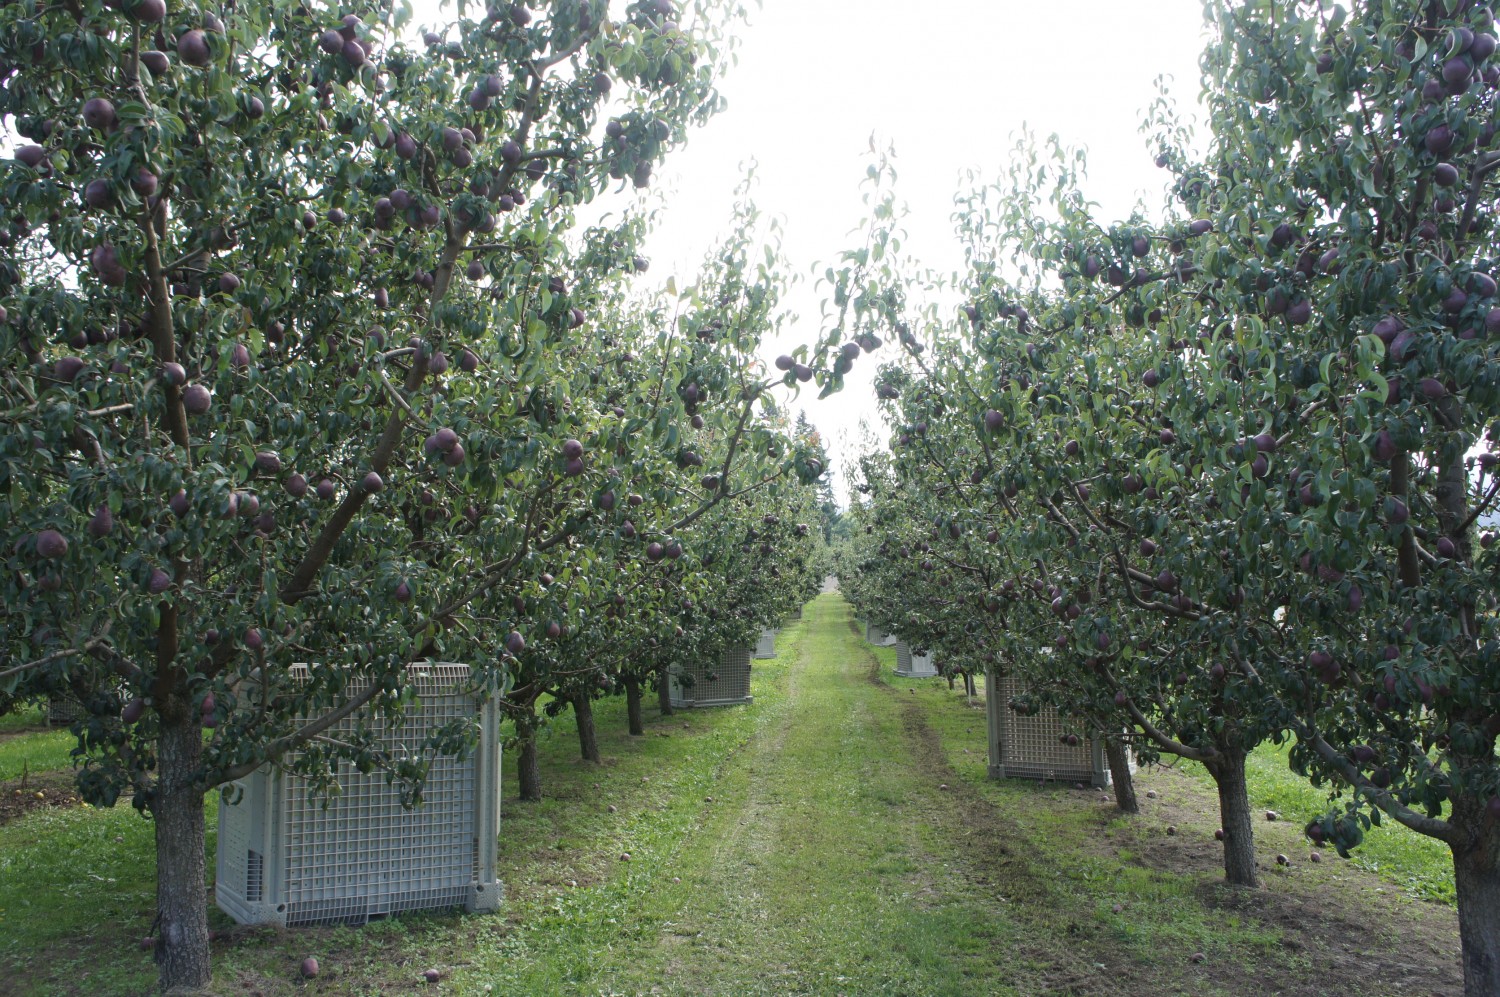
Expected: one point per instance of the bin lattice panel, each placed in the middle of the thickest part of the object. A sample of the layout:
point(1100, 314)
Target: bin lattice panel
point(726, 683)
point(63, 710)
point(1030, 747)
point(286, 859)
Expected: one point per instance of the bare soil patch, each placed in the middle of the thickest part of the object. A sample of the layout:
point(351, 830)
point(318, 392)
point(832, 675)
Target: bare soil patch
point(37, 791)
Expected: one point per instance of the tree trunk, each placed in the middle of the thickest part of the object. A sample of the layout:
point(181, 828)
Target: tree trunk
point(181, 896)
point(1476, 876)
point(528, 765)
point(664, 691)
point(633, 706)
point(588, 738)
point(1228, 772)
point(969, 685)
point(1118, 757)
point(950, 680)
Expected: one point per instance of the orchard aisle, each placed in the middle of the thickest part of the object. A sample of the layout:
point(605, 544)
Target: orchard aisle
point(811, 872)
point(838, 837)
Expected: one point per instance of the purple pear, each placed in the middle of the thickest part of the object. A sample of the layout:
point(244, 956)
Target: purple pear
point(51, 544)
point(295, 485)
point(144, 182)
point(325, 489)
point(98, 194)
point(1439, 140)
point(514, 642)
point(192, 48)
point(373, 482)
point(196, 399)
point(103, 522)
point(159, 583)
point(156, 62)
point(149, 11)
point(179, 504)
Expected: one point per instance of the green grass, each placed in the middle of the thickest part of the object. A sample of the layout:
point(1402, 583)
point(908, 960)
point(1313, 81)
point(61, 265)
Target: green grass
point(838, 836)
point(38, 751)
point(1155, 919)
point(1420, 865)
point(26, 715)
point(803, 875)
point(80, 874)
point(24, 749)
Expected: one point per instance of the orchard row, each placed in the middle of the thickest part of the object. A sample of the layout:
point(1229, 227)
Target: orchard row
point(307, 357)
point(1222, 478)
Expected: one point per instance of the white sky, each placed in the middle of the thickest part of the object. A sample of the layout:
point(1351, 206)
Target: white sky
point(949, 84)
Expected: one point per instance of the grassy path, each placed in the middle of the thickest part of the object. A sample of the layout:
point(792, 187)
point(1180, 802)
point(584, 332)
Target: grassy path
point(810, 873)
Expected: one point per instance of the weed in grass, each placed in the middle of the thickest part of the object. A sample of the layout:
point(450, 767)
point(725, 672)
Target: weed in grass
point(35, 751)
